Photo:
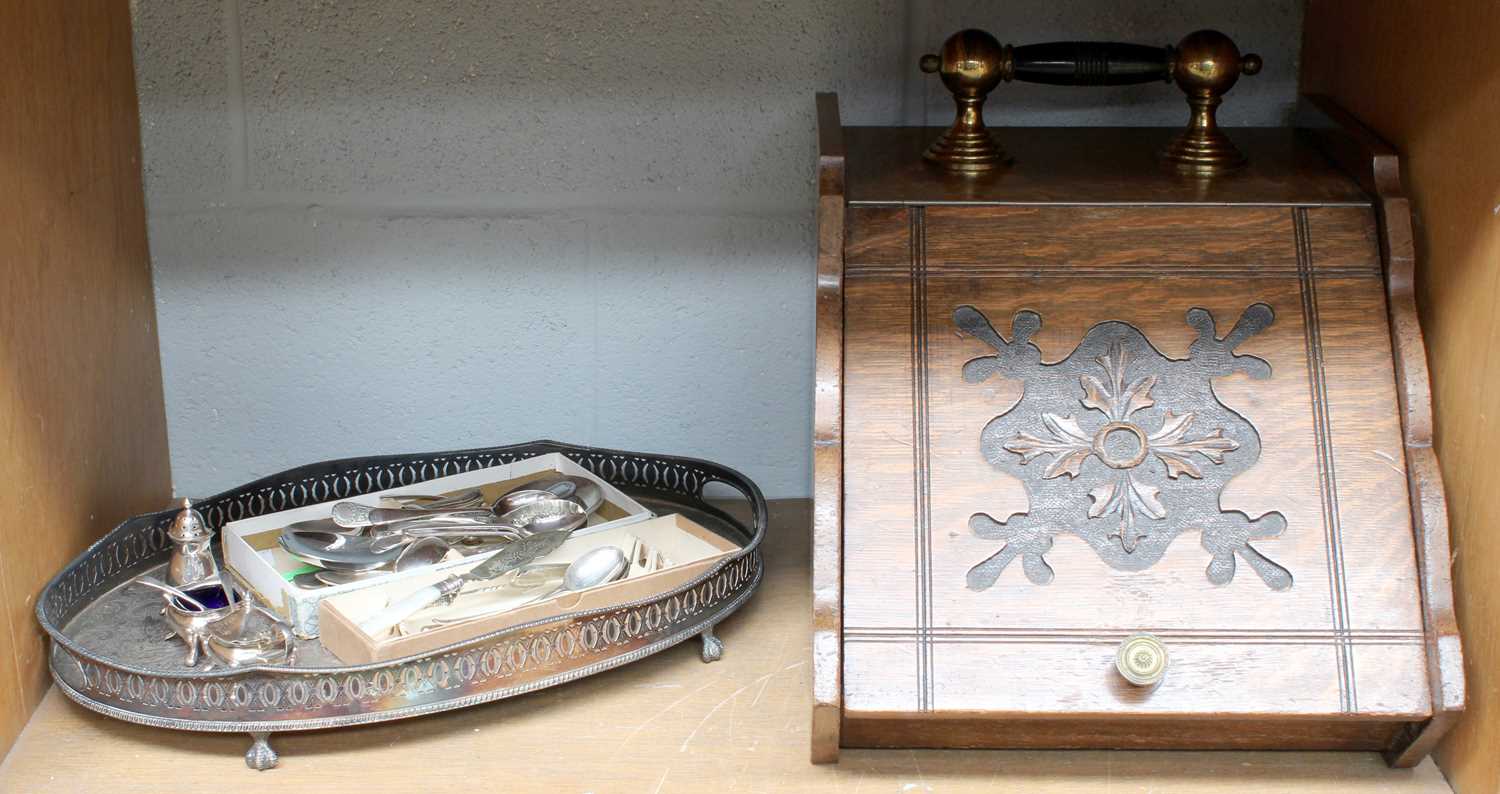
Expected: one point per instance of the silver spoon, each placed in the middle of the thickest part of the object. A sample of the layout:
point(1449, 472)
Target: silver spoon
point(582, 490)
point(596, 567)
point(524, 496)
point(333, 578)
point(353, 514)
point(421, 553)
point(321, 525)
point(586, 495)
point(320, 550)
point(465, 499)
point(547, 515)
point(543, 515)
point(310, 580)
point(489, 532)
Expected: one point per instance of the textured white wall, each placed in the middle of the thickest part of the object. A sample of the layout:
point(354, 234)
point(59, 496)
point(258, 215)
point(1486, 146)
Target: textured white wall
point(424, 224)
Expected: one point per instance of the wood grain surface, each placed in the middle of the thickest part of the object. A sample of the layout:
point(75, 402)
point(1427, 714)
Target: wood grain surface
point(1345, 642)
point(828, 450)
point(1378, 167)
point(82, 432)
point(1107, 242)
point(1437, 107)
point(667, 723)
point(1090, 165)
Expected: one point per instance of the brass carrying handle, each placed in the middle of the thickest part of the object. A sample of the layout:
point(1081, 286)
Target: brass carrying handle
point(1205, 65)
point(1087, 63)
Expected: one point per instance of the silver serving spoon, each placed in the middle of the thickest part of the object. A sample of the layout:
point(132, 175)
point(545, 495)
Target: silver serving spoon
point(325, 550)
point(582, 490)
point(422, 553)
point(525, 496)
point(546, 516)
point(596, 567)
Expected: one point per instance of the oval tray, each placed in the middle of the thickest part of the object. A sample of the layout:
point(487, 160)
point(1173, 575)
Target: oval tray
point(108, 651)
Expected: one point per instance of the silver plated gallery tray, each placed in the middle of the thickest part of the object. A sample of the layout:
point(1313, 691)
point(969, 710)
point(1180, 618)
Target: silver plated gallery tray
point(108, 654)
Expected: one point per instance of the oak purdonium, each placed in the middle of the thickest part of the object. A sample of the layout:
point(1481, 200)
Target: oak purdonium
point(1087, 399)
point(107, 652)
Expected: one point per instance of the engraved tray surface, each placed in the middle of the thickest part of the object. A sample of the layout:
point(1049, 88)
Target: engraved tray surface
point(109, 655)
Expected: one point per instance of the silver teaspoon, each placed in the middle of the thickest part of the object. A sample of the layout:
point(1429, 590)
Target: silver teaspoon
point(596, 567)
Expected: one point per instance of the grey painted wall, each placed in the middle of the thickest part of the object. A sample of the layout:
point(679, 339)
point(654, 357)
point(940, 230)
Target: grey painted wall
point(424, 224)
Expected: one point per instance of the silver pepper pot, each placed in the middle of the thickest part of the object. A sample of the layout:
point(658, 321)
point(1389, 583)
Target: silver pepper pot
point(192, 558)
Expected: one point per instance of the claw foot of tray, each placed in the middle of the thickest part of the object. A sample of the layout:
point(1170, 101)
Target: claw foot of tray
point(713, 647)
point(260, 756)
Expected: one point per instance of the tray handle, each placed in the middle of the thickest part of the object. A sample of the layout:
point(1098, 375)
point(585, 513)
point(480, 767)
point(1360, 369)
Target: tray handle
point(759, 511)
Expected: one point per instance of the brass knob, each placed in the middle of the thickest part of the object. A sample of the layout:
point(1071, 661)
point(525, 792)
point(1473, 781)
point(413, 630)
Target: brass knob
point(1141, 660)
point(1206, 64)
point(972, 63)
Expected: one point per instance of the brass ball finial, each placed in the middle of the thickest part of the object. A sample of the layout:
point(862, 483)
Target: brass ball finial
point(971, 64)
point(1208, 60)
point(1206, 64)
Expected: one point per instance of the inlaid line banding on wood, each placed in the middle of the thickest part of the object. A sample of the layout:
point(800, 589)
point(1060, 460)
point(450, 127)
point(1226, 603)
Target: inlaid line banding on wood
point(1327, 479)
point(922, 480)
point(1112, 636)
point(1063, 270)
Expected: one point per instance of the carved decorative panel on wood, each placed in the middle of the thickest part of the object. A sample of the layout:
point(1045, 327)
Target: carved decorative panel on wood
point(1121, 446)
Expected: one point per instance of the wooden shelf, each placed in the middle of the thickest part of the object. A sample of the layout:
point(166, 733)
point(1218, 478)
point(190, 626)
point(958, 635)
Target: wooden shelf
point(668, 723)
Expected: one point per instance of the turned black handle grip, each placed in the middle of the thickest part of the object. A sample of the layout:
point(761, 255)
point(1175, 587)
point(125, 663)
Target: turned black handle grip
point(1090, 63)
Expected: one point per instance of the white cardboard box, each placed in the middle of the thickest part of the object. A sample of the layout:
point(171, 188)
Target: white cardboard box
point(252, 554)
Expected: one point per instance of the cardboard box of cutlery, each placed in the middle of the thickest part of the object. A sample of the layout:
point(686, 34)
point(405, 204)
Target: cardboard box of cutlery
point(663, 553)
point(251, 551)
